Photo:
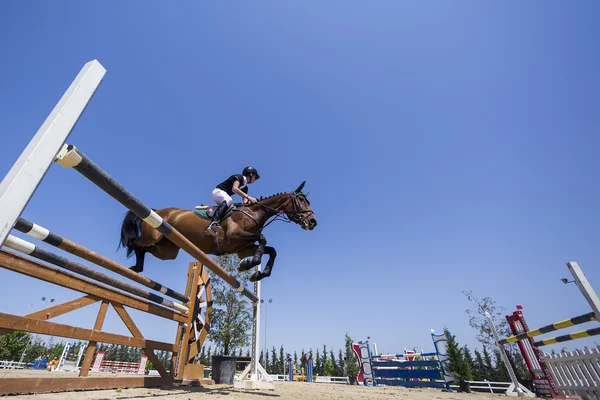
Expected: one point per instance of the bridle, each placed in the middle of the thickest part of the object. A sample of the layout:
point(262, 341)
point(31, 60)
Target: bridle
point(298, 216)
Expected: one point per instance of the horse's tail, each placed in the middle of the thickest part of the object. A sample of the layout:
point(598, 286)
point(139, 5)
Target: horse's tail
point(130, 231)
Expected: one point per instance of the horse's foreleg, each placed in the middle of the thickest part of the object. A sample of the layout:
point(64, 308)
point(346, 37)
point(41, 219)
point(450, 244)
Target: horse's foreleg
point(248, 263)
point(257, 276)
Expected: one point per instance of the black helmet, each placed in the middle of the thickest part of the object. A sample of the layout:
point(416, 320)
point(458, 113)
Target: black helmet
point(251, 170)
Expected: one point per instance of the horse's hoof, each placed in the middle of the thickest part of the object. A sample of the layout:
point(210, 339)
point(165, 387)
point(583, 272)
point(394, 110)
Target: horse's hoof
point(243, 266)
point(257, 276)
point(135, 269)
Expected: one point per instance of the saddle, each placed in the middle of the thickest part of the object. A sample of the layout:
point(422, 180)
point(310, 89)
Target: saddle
point(206, 212)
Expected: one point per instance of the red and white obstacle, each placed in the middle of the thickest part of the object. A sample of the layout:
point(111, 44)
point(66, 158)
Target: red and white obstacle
point(119, 367)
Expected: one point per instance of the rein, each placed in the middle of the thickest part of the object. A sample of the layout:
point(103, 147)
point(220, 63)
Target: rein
point(280, 214)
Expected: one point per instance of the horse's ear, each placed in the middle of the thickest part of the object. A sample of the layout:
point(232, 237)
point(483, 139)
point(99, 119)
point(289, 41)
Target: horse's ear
point(300, 187)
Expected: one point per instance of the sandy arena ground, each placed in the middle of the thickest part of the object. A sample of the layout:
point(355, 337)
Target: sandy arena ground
point(283, 391)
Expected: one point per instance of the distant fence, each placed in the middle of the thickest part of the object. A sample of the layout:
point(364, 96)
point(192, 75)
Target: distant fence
point(12, 365)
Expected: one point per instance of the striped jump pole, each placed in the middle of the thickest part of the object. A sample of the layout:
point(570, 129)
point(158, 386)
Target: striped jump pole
point(26, 247)
point(566, 338)
point(71, 157)
point(549, 328)
point(67, 245)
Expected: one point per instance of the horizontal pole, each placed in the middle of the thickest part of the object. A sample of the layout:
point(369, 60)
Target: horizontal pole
point(69, 246)
point(26, 247)
point(17, 263)
point(570, 336)
point(549, 328)
point(71, 157)
point(54, 384)
point(24, 324)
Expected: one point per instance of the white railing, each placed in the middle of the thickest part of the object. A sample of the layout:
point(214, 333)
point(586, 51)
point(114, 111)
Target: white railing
point(332, 379)
point(12, 365)
point(279, 377)
point(485, 385)
point(576, 373)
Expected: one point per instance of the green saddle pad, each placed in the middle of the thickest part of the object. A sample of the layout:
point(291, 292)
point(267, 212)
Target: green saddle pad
point(202, 213)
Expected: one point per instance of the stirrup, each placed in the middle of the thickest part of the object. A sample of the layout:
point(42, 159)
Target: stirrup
point(213, 228)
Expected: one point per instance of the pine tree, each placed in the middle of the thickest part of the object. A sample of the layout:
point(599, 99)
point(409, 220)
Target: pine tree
point(262, 357)
point(280, 367)
point(352, 365)
point(274, 361)
point(295, 358)
point(468, 359)
point(203, 358)
point(341, 366)
point(266, 364)
point(318, 367)
point(457, 366)
point(209, 355)
point(334, 364)
point(501, 373)
point(479, 371)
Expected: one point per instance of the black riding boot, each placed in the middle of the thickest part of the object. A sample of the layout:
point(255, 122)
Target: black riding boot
point(214, 226)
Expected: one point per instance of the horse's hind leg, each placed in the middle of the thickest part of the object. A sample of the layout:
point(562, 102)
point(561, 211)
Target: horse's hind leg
point(140, 253)
point(164, 249)
point(142, 245)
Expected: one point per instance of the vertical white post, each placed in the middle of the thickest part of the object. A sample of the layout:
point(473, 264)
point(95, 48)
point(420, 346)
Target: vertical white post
point(259, 379)
point(24, 177)
point(515, 389)
point(586, 288)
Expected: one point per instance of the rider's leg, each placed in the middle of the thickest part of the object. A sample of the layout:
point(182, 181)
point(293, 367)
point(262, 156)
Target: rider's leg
point(224, 201)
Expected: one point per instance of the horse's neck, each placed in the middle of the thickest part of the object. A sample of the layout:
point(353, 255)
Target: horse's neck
point(272, 207)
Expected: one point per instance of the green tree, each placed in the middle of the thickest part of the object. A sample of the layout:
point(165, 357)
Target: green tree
point(457, 365)
point(280, 366)
point(480, 372)
point(13, 344)
point(274, 362)
point(352, 366)
point(318, 367)
point(341, 366)
point(327, 368)
point(261, 359)
point(231, 315)
point(203, 358)
point(468, 359)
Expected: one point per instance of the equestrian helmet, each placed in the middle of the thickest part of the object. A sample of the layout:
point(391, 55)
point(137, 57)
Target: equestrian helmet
point(251, 170)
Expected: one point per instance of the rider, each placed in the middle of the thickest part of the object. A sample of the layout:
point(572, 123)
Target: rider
point(238, 184)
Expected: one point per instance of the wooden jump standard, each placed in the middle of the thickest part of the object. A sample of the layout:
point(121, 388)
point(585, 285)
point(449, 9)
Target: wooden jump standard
point(17, 188)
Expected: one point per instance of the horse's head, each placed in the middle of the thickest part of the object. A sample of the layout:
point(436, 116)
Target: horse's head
point(298, 209)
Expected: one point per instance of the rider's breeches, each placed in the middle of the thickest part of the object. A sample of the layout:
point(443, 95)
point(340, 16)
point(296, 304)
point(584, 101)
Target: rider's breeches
point(219, 196)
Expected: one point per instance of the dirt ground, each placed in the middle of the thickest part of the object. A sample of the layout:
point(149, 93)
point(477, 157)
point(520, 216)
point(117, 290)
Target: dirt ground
point(283, 391)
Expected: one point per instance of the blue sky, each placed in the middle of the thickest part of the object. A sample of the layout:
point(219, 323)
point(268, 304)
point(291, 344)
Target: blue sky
point(447, 146)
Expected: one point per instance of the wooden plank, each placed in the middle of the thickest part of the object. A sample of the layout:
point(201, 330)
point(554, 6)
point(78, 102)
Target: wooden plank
point(91, 349)
point(59, 309)
point(34, 269)
point(138, 334)
point(24, 324)
point(46, 385)
point(192, 289)
point(64, 308)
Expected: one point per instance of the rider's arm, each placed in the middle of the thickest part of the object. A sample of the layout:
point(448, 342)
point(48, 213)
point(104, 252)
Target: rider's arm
point(236, 190)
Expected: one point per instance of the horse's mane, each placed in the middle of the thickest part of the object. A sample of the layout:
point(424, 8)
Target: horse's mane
point(261, 198)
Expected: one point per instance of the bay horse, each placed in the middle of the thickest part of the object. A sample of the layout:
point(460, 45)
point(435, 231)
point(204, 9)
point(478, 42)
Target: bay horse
point(239, 234)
